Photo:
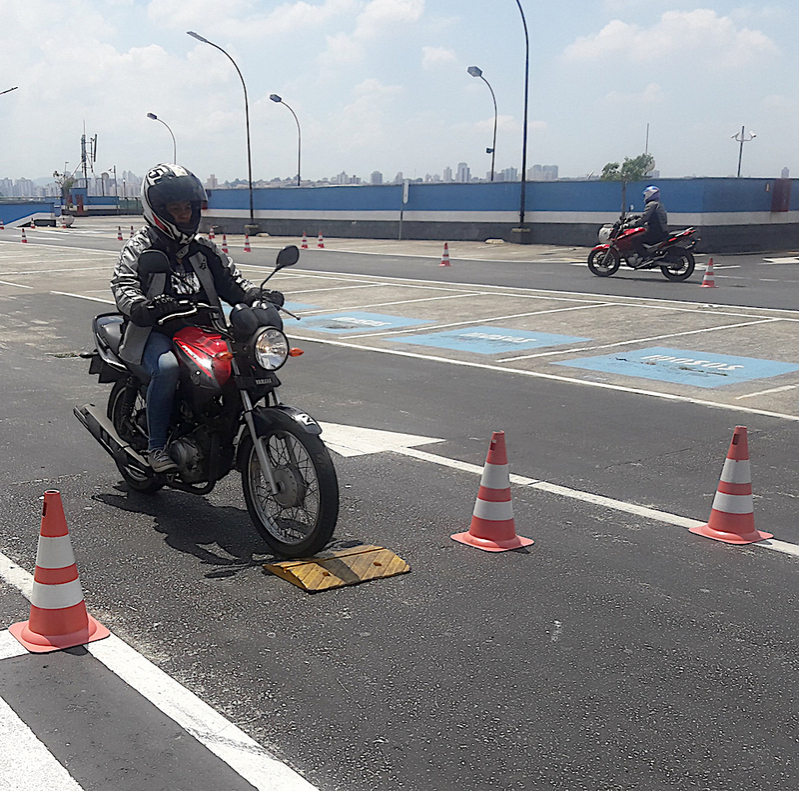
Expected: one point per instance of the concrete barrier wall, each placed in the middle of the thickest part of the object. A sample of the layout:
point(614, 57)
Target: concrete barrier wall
point(731, 214)
point(22, 212)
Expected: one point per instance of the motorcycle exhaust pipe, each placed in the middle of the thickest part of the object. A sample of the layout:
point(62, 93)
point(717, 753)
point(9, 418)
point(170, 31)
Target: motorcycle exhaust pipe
point(102, 429)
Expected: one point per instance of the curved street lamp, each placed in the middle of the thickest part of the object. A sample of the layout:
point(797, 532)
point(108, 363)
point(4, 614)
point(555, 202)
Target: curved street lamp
point(524, 133)
point(475, 72)
point(9, 90)
point(174, 144)
point(253, 228)
point(275, 98)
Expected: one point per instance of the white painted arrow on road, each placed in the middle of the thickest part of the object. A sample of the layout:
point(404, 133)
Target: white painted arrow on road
point(357, 441)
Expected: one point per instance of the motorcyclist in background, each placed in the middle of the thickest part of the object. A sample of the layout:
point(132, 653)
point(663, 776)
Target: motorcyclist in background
point(172, 198)
point(654, 219)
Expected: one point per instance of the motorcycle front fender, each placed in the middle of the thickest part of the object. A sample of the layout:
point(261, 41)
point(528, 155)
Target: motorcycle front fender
point(263, 417)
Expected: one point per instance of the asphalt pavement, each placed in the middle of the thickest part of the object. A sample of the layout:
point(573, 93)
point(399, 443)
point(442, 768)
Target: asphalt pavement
point(619, 651)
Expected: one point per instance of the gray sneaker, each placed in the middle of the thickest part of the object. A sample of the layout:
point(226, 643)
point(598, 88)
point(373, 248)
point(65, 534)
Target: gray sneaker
point(160, 460)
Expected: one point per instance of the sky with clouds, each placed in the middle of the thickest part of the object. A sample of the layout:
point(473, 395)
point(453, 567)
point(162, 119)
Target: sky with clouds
point(383, 85)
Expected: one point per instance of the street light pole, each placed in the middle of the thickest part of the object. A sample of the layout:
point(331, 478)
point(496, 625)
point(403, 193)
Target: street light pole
point(275, 98)
point(476, 72)
point(246, 115)
point(524, 132)
point(742, 138)
point(174, 144)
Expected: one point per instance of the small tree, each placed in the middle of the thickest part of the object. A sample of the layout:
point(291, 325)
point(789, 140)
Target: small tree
point(631, 170)
point(65, 182)
point(634, 169)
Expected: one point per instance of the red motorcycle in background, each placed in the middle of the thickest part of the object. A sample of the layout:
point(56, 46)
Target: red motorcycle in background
point(672, 256)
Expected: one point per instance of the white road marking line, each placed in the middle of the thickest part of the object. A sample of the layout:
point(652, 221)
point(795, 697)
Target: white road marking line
point(638, 340)
point(243, 754)
point(587, 497)
point(551, 377)
point(83, 296)
point(16, 285)
point(25, 763)
point(767, 392)
point(58, 271)
point(10, 646)
point(772, 261)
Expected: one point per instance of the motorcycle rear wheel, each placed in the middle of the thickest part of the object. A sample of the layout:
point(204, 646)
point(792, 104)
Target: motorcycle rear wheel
point(680, 265)
point(136, 479)
point(604, 263)
point(299, 520)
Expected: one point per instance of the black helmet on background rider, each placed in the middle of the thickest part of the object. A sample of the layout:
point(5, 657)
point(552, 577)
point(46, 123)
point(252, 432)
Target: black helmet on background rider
point(651, 193)
point(165, 184)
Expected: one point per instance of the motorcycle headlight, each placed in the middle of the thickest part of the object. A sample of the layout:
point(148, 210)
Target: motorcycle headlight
point(271, 348)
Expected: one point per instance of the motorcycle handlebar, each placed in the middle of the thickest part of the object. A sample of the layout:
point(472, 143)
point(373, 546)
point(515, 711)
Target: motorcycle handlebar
point(191, 309)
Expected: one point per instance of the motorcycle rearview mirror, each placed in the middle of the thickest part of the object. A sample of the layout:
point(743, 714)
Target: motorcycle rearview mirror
point(153, 261)
point(288, 256)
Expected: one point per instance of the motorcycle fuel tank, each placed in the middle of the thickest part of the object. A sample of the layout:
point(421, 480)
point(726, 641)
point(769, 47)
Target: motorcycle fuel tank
point(204, 355)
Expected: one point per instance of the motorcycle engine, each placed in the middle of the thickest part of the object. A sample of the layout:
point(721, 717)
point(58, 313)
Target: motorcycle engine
point(191, 454)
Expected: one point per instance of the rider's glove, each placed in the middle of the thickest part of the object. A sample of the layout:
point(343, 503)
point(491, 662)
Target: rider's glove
point(275, 297)
point(147, 313)
point(255, 295)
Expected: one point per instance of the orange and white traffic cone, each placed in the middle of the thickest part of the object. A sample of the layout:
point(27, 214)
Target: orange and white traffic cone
point(304, 245)
point(63, 221)
point(247, 248)
point(24, 238)
point(224, 243)
point(321, 242)
point(211, 233)
point(131, 231)
point(119, 233)
point(445, 256)
point(58, 617)
point(2, 227)
point(732, 517)
point(708, 281)
point(493, 527)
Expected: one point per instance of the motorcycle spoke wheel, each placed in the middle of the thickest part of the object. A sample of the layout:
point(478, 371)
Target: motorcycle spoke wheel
point(679, 265)
point(298, 519)
point(136, 478)
point(604, 263)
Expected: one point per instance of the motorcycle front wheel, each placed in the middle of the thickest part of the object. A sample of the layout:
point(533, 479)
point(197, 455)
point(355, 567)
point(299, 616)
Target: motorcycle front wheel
point(299, 519)
point(680, 265)
point(604, 263)
point(136, 479)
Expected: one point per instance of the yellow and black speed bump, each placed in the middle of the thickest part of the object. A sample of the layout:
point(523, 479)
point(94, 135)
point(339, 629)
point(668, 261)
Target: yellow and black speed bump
point(338, 568)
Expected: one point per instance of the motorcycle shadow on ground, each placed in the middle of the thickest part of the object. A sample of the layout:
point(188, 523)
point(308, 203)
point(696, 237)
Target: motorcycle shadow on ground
point(194, 525)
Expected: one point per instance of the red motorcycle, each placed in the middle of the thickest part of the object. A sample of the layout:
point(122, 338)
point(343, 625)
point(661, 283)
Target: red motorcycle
point(672, 256)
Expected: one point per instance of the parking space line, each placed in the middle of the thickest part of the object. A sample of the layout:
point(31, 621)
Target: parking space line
point(16, 285)
point(767, 392)
point(639, 340)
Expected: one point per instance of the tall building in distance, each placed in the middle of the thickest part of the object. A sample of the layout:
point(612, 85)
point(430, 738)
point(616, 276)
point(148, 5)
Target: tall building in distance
point(447, 175)
point(376, 177)
point(211, 182)
point(543, 173)
point(464, 175)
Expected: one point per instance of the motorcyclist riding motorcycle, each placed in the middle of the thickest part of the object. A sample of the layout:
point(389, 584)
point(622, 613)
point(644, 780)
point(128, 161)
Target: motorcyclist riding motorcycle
point(172, 198)
point(654, 219)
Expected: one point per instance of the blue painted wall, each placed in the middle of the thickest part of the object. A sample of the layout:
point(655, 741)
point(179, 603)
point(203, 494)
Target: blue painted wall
point(679, 196)
point(16, 211)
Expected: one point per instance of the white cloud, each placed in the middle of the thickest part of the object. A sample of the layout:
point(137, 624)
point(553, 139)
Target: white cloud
point(380, 16)
point(702, 32)
point(434, 56)
point(652, 94)
point(505, 123)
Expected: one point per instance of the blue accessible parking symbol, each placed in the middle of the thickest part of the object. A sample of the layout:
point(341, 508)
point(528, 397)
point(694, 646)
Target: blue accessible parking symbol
point(681, 366)
point(358, 320)
point(488, 340)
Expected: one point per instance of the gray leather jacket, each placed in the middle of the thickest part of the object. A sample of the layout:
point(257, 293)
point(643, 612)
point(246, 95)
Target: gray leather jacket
point(215, 270)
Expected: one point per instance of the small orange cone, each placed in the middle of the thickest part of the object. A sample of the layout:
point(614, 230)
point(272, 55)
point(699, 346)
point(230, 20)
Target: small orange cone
point(445, 256)
point(247, 248)
point(58, 617)
point(493, 528)
point(224, 243)
point(119, 233)
point(2, 227)
point(321, 242)
point(24, 238)
point(304, 245)
point(732, 517)
point(211, 233)
point(63, 221)
point(708, 281)
point(131, 231)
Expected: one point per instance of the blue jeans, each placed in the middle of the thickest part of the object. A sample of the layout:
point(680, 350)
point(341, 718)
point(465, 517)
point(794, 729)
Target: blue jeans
point(160, 362)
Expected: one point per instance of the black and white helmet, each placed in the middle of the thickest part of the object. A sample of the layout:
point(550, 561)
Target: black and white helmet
point(166, 184)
